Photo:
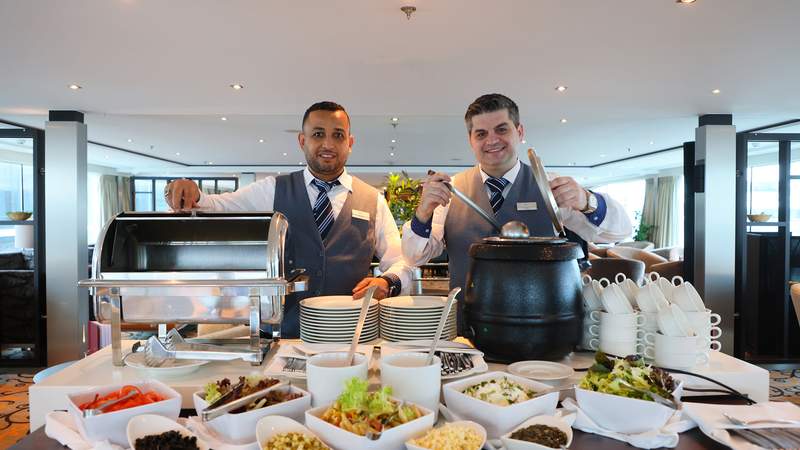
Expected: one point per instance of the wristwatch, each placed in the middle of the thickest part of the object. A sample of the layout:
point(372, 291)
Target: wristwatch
point(591, 203)
point(394, 284)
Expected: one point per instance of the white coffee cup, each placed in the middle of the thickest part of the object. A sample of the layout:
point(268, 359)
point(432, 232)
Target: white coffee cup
point(629, 288)
point(591, 294)
point(327, 373)
point(676, 351)
point(672, 321)
point(687, 297)
point(676, 360)
point(412, 379)
point(705, 323)
point(650, 322)
point(617, 348)
point(588, 321)
point(650, 298)
point(615, 301)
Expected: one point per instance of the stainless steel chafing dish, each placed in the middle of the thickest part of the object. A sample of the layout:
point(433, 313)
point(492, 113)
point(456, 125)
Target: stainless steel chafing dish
point(198, 267)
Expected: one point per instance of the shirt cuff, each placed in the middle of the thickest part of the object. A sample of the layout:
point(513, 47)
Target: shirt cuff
point(421, 229)
point(597, 216)
point(395, 285)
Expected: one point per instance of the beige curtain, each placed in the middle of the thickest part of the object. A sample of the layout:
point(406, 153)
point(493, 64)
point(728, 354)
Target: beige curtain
point(650, 200)
point(115, 196)
point(665, 233)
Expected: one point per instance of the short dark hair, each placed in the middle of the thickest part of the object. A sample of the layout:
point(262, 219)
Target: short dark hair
point(324, 106)
point(491, 103)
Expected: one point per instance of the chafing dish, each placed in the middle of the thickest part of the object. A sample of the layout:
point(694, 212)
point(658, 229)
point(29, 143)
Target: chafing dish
point(197, 267)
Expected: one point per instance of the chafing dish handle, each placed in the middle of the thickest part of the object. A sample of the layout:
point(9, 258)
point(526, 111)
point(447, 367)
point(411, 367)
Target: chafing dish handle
point(297, 281)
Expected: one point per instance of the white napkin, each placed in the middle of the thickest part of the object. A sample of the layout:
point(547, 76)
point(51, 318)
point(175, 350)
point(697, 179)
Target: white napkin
point(711, 421)
point(60, 425)
point(667, 436)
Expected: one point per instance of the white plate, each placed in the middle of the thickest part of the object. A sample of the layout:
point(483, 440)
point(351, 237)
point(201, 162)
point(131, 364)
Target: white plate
point(336, 318)
point(415, 330)
point(335, 302)
point(325, 340)
point(338, 332)
point(541, 370)
point(406, 337)
point(170, 368)
point(414, 302)
point(405, 315)
point(337, 328)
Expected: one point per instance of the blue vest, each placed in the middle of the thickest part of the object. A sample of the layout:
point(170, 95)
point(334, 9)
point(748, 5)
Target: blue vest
point(336, 265)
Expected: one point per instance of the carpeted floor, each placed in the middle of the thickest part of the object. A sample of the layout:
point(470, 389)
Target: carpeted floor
point(13, 408)
point(784, 386)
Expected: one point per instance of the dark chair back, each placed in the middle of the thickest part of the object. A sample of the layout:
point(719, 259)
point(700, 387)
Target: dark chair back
point(610, 267)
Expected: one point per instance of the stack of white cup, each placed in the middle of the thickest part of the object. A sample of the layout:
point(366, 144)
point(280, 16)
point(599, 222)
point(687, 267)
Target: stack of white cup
point(592, 289)
point(616, 334)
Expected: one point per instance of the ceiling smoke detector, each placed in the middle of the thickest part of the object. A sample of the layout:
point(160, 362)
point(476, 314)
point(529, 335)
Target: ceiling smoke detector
point(409, 10)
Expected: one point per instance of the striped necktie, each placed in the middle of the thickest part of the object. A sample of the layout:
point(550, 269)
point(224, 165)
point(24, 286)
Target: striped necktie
point(496, 186)
point(323, 212)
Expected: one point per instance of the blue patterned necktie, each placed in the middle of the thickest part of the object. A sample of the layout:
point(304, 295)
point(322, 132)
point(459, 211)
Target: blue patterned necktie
point(323, 212)
point(496, 186)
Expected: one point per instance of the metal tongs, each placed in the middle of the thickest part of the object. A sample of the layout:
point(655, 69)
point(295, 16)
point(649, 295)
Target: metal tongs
point(156, 353)
point(213, 411)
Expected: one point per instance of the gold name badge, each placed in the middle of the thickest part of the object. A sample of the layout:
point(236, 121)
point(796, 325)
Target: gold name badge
point(527, 206)
point(363, 215)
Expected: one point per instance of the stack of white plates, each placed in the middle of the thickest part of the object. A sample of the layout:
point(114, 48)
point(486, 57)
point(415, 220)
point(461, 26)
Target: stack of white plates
point(334, 318)
point(411, 318)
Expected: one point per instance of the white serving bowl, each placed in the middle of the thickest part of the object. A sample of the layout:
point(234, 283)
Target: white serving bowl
point(624, 414)
point(149, 424)
point(391, 439)
point(498, 420)
point(270, 426)
point(551, 421)
point(111, 425)
point(241, 428)
point(463, 423)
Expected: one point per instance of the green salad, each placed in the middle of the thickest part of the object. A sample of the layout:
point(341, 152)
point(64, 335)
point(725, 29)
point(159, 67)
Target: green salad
point(606, 373)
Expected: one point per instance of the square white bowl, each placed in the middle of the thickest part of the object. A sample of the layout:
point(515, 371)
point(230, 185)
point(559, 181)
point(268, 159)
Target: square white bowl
point(550, 421)
point(241, 428)
point(271, 426)
point(113, 425)
point(498, 420)
point(391, 439)
point(624, 414)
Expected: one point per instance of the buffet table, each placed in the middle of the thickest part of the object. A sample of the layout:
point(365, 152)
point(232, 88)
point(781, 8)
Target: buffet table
point(97, 370)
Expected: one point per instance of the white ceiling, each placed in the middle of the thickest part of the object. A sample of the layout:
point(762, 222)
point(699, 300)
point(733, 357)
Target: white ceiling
point(158, 73)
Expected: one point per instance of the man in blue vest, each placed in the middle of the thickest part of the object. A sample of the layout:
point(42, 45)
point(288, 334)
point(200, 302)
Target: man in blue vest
point(337, 223)
point(502, 184)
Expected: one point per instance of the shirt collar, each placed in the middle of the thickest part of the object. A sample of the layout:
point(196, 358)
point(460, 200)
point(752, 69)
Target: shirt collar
point(511, 175)
point(345, 178)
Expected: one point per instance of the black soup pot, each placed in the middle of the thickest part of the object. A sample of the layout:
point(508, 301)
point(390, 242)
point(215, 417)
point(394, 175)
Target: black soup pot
point(523, 298)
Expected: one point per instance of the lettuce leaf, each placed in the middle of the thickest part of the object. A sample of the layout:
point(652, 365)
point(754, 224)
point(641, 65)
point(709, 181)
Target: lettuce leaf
point(354, 397)
point(212, 392)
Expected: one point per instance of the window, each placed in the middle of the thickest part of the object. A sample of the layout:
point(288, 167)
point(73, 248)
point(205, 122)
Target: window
point(628, 193)
point(148, 191)
point(11, 190)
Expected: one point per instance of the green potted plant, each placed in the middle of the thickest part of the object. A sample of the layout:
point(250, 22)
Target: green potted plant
point(644, 231)
point(402, 194)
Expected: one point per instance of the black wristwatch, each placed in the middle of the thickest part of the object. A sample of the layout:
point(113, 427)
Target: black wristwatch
point(394, 284)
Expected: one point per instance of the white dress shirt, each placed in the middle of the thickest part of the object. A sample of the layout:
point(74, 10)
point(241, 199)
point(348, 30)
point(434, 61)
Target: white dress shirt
point(615, 227)
point(260, 196)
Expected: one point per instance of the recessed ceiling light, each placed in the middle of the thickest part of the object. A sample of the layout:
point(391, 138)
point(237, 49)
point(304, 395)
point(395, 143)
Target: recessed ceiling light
point(391, 154)
point(563, 120)
point(177, 153)
point(395, 119)
point(299, 164)
point(284, 153)
point(223, 118)
point(210, 163)
point(237, 87)
point(715, 91)
point(651, 142)
point(394, 141)
point(106, 156)
point(685, 2)
point(279, 173)
point(130, 140)
point(75, 87)
point(260, 141)
point(524, 141)
point(602, 155)
point(561, 88)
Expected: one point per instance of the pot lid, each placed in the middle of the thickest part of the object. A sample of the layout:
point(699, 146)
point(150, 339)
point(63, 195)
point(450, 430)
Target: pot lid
point(550, 204)
point(524, 240)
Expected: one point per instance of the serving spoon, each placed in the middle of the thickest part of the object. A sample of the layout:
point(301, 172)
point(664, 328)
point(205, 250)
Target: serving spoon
point(360, 325)
point(442, 320)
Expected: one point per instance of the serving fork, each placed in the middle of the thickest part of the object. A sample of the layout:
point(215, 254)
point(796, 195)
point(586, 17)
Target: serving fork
point(454, 363)
point(295, 365)
point(767, 437)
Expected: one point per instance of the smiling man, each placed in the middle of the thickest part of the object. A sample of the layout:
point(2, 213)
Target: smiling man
point(502, 184)
point(337, 223)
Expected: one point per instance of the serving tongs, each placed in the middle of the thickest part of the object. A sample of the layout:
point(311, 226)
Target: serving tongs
point(156, 353)
point(472, 205)
point(213, 411)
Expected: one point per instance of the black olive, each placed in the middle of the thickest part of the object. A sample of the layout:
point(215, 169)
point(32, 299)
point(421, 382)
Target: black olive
point(171, 440)
point(541, 434)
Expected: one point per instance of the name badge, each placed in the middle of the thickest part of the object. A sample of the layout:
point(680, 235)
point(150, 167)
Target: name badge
point(527, 206)
point(363, 215)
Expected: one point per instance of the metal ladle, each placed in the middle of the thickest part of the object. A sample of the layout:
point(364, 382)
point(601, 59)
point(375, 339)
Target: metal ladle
point(512, 229)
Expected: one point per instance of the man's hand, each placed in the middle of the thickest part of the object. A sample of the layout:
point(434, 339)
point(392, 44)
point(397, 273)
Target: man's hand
point(569, 194)
point(362, 286)
point(182, 195)
point(434, 193)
